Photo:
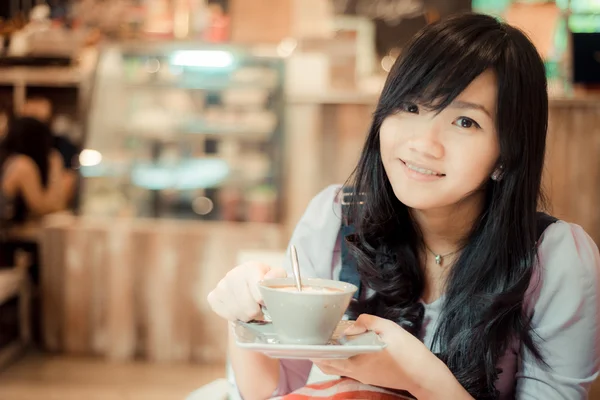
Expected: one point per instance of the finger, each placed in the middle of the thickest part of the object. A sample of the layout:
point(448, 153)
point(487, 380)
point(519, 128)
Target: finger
point(223, 311)
point(224, 302)
point(253, 287)
point(276, 272)
point(214, 295)
point(255, 292)
point(247, 307)
point(219, 307)
point(355, 329)
point(337, 364)
point(327, 368)
point(367, 322)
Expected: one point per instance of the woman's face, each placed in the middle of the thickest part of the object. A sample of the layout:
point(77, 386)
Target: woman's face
point(437, 160)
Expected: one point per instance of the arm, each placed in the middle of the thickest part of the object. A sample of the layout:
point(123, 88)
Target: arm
point(259, 377)
point(256, 375)
point(566, 312)
point(70, 154)
point(442, 385)
point(69, 184)
point(22, 175)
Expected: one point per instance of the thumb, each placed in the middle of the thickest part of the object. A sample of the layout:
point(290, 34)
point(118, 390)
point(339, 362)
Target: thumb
point(276, 272)
point(367, 322)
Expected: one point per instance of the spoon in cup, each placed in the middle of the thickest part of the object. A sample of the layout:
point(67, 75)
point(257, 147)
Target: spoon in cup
point(296, 267)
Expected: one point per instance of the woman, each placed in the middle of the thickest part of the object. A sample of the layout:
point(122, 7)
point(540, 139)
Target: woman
point(32, 171)
point(32, 182)
point(41, 109)
point(471, 304)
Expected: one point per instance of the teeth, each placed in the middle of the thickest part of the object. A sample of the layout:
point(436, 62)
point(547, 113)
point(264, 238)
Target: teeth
point(421, 170)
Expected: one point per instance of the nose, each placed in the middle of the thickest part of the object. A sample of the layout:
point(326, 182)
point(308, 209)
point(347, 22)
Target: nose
point(425, 140)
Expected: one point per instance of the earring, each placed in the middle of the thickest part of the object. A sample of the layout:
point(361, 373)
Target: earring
point(497, 174)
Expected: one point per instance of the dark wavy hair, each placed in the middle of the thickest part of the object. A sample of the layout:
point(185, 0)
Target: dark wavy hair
point(482, 307)
point(29, 137)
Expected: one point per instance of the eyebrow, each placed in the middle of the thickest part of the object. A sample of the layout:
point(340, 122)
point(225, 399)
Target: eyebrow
point(469, 105)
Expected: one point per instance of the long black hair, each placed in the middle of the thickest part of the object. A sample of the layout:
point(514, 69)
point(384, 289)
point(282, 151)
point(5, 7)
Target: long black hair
point(482, 306)
point(30, 137)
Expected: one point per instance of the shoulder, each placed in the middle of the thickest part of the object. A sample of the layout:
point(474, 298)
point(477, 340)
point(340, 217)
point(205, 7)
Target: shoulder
point(569, 264)
point(565, 249)
point(19, 164)
point(330, 195)
point(325, 206)
point(17, 169)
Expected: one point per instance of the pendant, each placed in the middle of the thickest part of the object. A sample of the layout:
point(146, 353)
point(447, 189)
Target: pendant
point(438, 259)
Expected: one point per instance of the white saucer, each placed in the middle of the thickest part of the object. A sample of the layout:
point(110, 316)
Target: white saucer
point(262, 338)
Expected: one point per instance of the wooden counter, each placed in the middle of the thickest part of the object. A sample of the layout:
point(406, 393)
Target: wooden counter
point(125, 289)
point(325, 135)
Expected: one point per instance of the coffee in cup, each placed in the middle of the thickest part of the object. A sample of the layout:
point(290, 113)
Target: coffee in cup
point(308, 317)
point(307, 289)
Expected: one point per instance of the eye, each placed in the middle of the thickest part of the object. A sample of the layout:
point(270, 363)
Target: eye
point(410, 108)
point(467, 123)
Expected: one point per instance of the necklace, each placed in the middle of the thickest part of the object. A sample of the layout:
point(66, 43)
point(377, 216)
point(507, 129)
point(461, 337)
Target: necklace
point(439, 258)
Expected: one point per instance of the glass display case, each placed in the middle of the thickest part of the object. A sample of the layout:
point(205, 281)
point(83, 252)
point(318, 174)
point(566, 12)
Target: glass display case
point(185, 131)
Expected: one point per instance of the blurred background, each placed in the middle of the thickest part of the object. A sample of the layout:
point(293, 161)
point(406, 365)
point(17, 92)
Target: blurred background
point(193, 134)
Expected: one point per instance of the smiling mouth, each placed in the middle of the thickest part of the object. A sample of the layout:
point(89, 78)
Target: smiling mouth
point(421, 170)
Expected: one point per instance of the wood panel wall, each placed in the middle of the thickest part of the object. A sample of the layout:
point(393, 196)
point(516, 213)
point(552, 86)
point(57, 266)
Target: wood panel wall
point(137, 289)
point(260, 21)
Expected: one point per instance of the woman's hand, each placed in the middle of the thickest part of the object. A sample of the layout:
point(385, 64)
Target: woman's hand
point(236, 296)
point(405, 364)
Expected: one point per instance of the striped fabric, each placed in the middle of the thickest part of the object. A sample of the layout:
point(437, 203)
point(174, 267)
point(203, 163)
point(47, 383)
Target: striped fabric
point(342, 389)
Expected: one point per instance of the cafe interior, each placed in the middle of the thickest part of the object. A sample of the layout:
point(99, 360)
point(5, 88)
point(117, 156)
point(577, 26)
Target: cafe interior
point(194, 134)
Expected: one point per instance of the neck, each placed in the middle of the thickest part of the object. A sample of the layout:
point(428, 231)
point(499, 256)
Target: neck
point(445, 229)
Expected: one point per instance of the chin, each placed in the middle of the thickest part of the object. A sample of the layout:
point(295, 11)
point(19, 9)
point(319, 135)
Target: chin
point(422, 204)
point(421, 199)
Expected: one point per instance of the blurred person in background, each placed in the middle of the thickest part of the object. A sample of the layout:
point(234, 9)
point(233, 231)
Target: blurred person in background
point(32, 176)
point(33, 184)
point(41, 109)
